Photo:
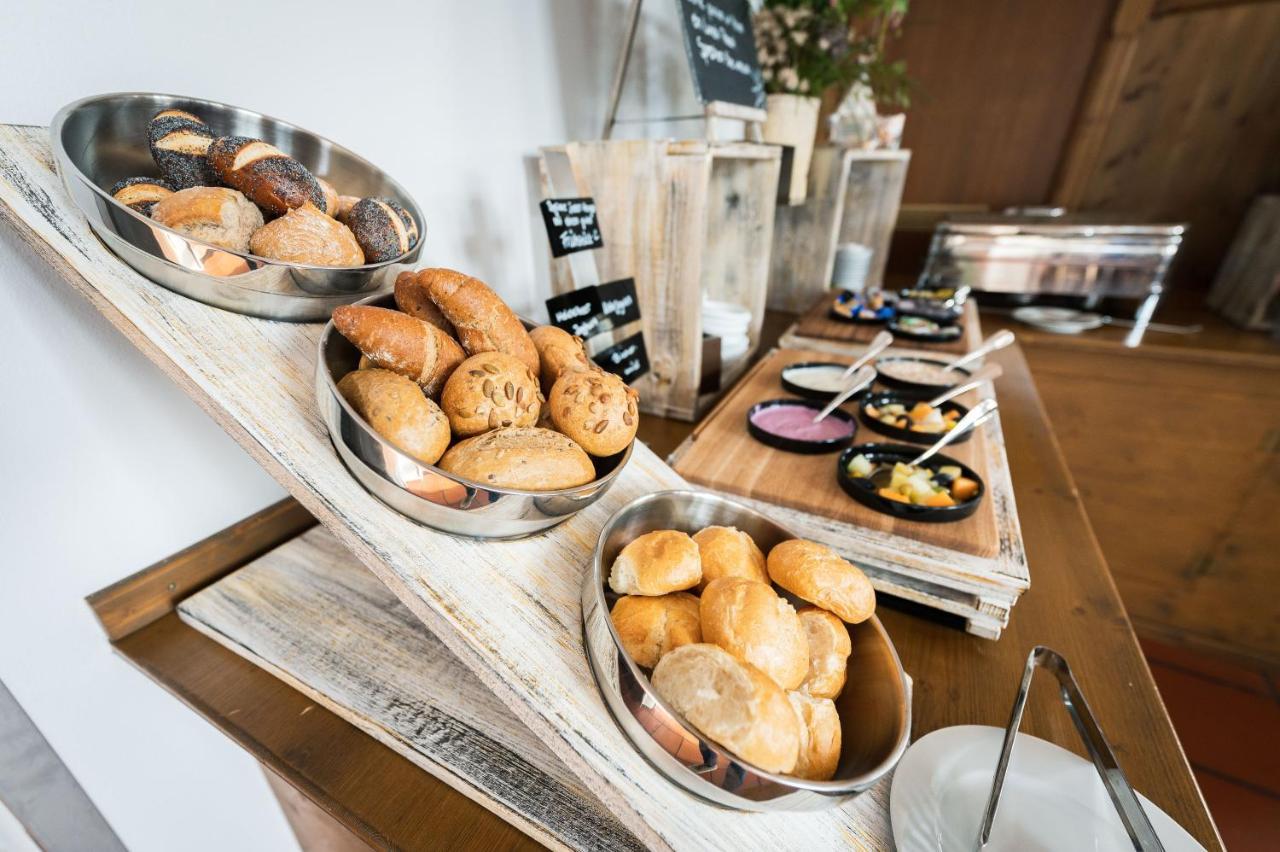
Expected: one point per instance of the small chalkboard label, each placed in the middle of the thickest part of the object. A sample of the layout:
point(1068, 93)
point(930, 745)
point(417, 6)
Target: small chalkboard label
point(627, 359)
point(619, 302)
point(577, 312)
point(721, 48)
point(571, 225)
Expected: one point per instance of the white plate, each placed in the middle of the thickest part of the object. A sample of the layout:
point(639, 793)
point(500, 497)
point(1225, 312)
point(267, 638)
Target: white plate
point(1053, 801)
point(1058, 320)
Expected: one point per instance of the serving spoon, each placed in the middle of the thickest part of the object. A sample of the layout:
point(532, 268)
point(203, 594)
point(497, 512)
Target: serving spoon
point(988, 373)
point(979, 414)
point(999, 340)
point(864, 377)
point(878, 344)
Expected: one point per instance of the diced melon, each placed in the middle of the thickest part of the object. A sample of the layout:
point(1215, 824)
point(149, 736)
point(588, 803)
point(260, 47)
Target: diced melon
point(873, 412)
point(920, 411)
point(942, 498)
point(963, 488)
point(860, 466)
point(890, 494)
point(951, 470)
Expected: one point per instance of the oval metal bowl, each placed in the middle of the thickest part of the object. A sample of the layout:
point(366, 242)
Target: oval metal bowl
point(865, 493)
point(425, 493)
point(927, 438)
point(875, 706)
point(99, 140)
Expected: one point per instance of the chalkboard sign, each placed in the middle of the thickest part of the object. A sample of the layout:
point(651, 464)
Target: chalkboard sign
point(577, 312)
point(627, 359)
point(722, 51)
point(619, 302)
point(571, 225)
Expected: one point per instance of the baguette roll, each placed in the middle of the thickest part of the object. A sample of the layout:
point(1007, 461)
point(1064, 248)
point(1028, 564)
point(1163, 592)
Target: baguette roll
point(731, 702)
point(396, 409)
point(483, 321)
point(656, 563)
point(651, 627)
point(212, 214)
point(829, 649)
point(306, 235)
point(179, 143)
point(729, 552)
point(412, 298)
point(141, 193)
point(815, 573)
point(749, 620)
point(520, 457)
point(269, 177)
point(820, 737)
point(400, 343)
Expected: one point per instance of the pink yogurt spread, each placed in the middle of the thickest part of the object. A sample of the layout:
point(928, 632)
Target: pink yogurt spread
point(796, 422)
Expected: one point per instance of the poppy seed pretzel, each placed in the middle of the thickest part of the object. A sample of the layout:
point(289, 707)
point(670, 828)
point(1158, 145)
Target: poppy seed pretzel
point(269, 177)
point(140, 193)
point(179, 143)
point(384, 229)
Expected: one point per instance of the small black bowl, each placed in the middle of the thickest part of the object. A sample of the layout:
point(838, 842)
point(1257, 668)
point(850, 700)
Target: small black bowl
point(810, 393)
point(835, 315)
point(918, 387)
point(881, 399)
point(955, 332)
point(865, 492)
point(930, 309)
point(793, 445)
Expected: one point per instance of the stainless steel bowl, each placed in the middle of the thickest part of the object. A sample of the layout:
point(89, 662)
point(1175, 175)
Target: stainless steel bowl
point(100, 140)
point(426, 493)
point(875, 706)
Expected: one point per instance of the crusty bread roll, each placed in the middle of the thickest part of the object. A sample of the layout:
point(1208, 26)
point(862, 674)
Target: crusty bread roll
point(396, 409)
point(306, 235)
point(269, 177)
point(751, 621)
point(820, 737)
point(212, 214)
point(382, 227)
point(729, 552)
point(817, 574)
point(345, 203)
point(733, 703)
point(490, 390)
point(331, 197)
point(829, 649)
point(179, 143)
point(596, 409)
point(656, 563)
point(559, 352)
point(483, 321)
point(412, 298)
point(141, 193)
point(522, 457)
point(651, 627)
point(400, 343)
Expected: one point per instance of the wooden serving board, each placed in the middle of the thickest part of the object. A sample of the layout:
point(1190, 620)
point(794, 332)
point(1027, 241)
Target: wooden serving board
point(509, 611)
point(816, 327)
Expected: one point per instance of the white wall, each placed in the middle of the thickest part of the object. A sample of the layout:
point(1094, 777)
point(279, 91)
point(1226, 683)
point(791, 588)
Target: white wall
point(105, 466)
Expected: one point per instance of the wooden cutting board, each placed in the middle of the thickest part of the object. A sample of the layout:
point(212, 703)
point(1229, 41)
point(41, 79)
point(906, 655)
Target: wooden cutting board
point(723, 456)
point(818, 324)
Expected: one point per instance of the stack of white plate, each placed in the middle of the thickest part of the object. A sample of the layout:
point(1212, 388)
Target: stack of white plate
point(731, 323)
point(852, 265)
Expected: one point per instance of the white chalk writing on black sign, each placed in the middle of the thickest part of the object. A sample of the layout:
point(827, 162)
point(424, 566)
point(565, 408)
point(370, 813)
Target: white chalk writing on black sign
point(722, 32)
point(577, 218)
point(617, 307)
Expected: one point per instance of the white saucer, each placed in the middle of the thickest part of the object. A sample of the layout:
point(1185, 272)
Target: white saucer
point(1053, 801)
point(1058, 320)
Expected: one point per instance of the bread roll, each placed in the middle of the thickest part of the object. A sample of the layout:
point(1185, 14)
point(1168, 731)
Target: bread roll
point(749, 619)
point(656, 563)
point(729, 552)
point(179, 143)
point(650, 627)
point(559, 352)
point(731, 702)
point(382, 228)
point(817, 574)
point(396, 409)
point(400, 343)
point(306, 235)
point(331, 197)
point(345, 203)
point(829, 649)
point(490, 390)
point(596, 409)
point(211, 214)
point(412, 298)
point(483, 321)
point(269, 177)
point(820, 737)
point(141, 193)
point(521, 457)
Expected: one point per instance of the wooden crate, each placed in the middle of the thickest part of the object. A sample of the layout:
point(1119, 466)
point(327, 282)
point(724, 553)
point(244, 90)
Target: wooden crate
point(1247, 289)
point(685, 219)
point(854, 197)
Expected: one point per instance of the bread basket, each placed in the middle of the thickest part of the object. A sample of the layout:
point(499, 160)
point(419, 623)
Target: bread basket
point(875, 706)
point(425, 493)
point(99, 140)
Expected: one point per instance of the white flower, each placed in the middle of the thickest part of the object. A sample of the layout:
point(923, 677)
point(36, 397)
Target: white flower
point(804, 85)
point(789, 78)
point(799, 36)
point(768, 75)
point(824, 43)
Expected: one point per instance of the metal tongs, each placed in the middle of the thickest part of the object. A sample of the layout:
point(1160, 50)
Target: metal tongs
point(1122, 795)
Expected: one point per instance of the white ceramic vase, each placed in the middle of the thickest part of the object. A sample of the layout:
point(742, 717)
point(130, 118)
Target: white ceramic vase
point(793, 120)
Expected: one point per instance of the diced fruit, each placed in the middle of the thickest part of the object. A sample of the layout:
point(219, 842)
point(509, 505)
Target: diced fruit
point(942, 498)
point(920, 411)
point(951, 470)
point(893, 495)
point(873, 412)
point(860, 466)
point(963, 489)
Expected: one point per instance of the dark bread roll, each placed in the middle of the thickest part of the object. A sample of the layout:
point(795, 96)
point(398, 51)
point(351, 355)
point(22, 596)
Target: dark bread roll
point(395, 407)
point(400, 343)
point(413, 299)
point(179, 143)
point(384, 229)
point(483, 321)
point(140, 193)
point(521, 457)
point(269, 177)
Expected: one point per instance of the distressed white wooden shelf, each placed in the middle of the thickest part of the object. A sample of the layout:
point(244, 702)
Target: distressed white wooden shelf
point(508, 611)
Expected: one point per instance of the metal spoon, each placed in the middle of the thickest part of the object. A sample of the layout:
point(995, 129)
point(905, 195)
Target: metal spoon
point(999, 340)
point(979, 414)
point(864, 377)
point(879, 343)
point(989, 373)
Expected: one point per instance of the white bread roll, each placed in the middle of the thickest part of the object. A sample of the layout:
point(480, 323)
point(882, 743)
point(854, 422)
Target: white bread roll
point(820, 737)
point(656, 563)
point(829, 649)
point(729, 552)
point(651, 627)
point(733, 703)
point(749, 619)
point(817, 574)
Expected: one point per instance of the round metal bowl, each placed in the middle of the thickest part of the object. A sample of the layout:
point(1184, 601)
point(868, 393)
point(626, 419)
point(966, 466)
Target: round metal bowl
point(100, 140)
point(875, 706)
point(425, 493)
